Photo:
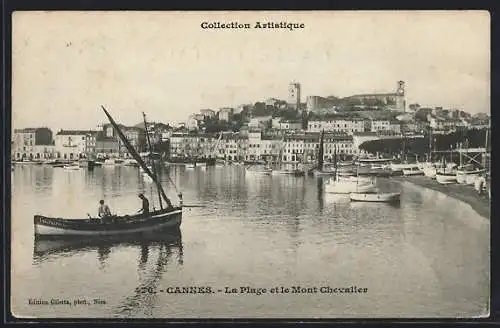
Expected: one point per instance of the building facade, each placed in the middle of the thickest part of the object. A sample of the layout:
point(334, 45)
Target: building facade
point(75, 144)
point(345, 125)
point(225, 114)
point(32, 143)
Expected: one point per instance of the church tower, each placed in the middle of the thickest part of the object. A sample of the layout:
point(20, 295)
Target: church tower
point(400, 96)
point(294, 95)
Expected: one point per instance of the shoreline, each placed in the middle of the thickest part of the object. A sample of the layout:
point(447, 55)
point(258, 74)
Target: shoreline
point(464, 193)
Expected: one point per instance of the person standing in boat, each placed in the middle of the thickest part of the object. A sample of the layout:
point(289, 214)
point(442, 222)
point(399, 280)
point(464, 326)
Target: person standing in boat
point(145, 204)
point(103, 210)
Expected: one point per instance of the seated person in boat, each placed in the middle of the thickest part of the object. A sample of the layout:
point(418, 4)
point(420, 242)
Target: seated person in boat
point(103, 210)
point(145, 205)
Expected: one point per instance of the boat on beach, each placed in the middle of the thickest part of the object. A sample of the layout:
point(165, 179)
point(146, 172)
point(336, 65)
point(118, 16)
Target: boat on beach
point(169, 217)
point(467, 174)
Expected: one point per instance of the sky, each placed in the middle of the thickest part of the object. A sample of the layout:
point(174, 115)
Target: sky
point(65, 65)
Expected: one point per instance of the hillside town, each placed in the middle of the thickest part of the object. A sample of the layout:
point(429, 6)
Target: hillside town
point(274, 129)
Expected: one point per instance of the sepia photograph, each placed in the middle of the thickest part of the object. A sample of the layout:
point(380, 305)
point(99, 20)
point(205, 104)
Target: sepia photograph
point(250, 164)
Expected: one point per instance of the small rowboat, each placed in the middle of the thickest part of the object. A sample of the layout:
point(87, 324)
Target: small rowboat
point(108, 226)
point(389, 197)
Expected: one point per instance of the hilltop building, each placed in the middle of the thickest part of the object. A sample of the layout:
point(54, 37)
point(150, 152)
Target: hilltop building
point(394, 100)
point(294, 95)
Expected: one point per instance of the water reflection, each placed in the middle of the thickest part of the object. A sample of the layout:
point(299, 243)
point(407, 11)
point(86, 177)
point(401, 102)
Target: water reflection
point(428, 256)
point(47, 249)
point(143, 297)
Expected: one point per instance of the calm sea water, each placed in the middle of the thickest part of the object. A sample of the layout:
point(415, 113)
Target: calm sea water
point(428, 257)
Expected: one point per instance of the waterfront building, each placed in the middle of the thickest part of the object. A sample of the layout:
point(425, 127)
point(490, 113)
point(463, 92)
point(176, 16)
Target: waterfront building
point(192, 145)
point(105, 146)
point(136, 135)
point(32, 143)
point(232, 147)
point(75, 144)
point(337, 124)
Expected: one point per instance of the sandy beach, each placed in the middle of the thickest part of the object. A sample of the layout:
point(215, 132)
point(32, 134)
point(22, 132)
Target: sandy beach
point(465, 193)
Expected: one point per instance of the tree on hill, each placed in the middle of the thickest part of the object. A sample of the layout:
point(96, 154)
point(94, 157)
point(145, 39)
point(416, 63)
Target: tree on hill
point(420, 146)
point(259, 109)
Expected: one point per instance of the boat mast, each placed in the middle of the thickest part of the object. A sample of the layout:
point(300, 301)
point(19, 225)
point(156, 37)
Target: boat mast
point(430, 146)
point(335, 160)
point(321, 151)
point(153, 166)
point(485, 148)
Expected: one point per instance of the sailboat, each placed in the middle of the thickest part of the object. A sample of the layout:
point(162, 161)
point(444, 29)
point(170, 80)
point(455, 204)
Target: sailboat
point(351, 184)
point(320, 169)
point(287, 171)
point(444, 177)
point(169, 217)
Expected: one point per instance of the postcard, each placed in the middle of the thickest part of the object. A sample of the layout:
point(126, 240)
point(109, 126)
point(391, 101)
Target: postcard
point(319, 164)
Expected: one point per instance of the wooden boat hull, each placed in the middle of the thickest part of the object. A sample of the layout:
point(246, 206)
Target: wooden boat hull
point(412, 172)
point(446, 178)
point(112, 226)
point(259, 171)
point(468, 177)
point(375, 197)
point(72, 167)
point(347, 187)
point(318, 173)
point(430, 172)
point(296, 173)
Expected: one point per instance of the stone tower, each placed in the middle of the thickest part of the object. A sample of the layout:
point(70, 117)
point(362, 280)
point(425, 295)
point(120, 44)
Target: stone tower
point(400, 96)
point(294, 95)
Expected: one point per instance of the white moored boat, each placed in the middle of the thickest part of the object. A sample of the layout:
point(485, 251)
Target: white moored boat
point(446, 178)
point(72, 166)
point(346, 186)
point(259, 170)
point(468, 174)
point(375, 197)
point(413, 170)
point(113, 161)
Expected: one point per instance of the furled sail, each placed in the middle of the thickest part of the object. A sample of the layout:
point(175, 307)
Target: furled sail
point(137, 157)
